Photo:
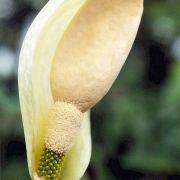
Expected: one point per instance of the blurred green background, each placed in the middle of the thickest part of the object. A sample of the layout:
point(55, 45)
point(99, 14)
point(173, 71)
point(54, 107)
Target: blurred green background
point(136, 127)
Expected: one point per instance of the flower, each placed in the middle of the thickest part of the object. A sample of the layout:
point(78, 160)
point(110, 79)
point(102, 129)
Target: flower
point(70, 58)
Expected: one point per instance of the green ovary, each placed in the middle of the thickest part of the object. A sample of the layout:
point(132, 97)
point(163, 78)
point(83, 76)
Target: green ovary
point(50, 164)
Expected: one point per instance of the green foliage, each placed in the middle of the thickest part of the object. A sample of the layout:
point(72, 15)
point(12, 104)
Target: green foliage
point(10, 114)
point(147, 121)
point(15, 169)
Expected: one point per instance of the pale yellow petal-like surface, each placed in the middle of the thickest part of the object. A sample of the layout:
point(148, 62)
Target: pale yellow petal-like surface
point(34, 83)
point(93, 50)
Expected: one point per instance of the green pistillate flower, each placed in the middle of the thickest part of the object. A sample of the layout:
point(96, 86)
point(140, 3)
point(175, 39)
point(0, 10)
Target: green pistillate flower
point(50, 164)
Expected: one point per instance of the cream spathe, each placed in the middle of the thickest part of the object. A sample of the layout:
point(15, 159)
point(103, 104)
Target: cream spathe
point(93, 49)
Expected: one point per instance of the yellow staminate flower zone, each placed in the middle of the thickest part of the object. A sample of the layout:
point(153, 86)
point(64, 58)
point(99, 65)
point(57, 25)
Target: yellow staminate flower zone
point(70, 57)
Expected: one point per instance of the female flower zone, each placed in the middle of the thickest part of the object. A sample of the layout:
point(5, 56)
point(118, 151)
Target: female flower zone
point(70, 57)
